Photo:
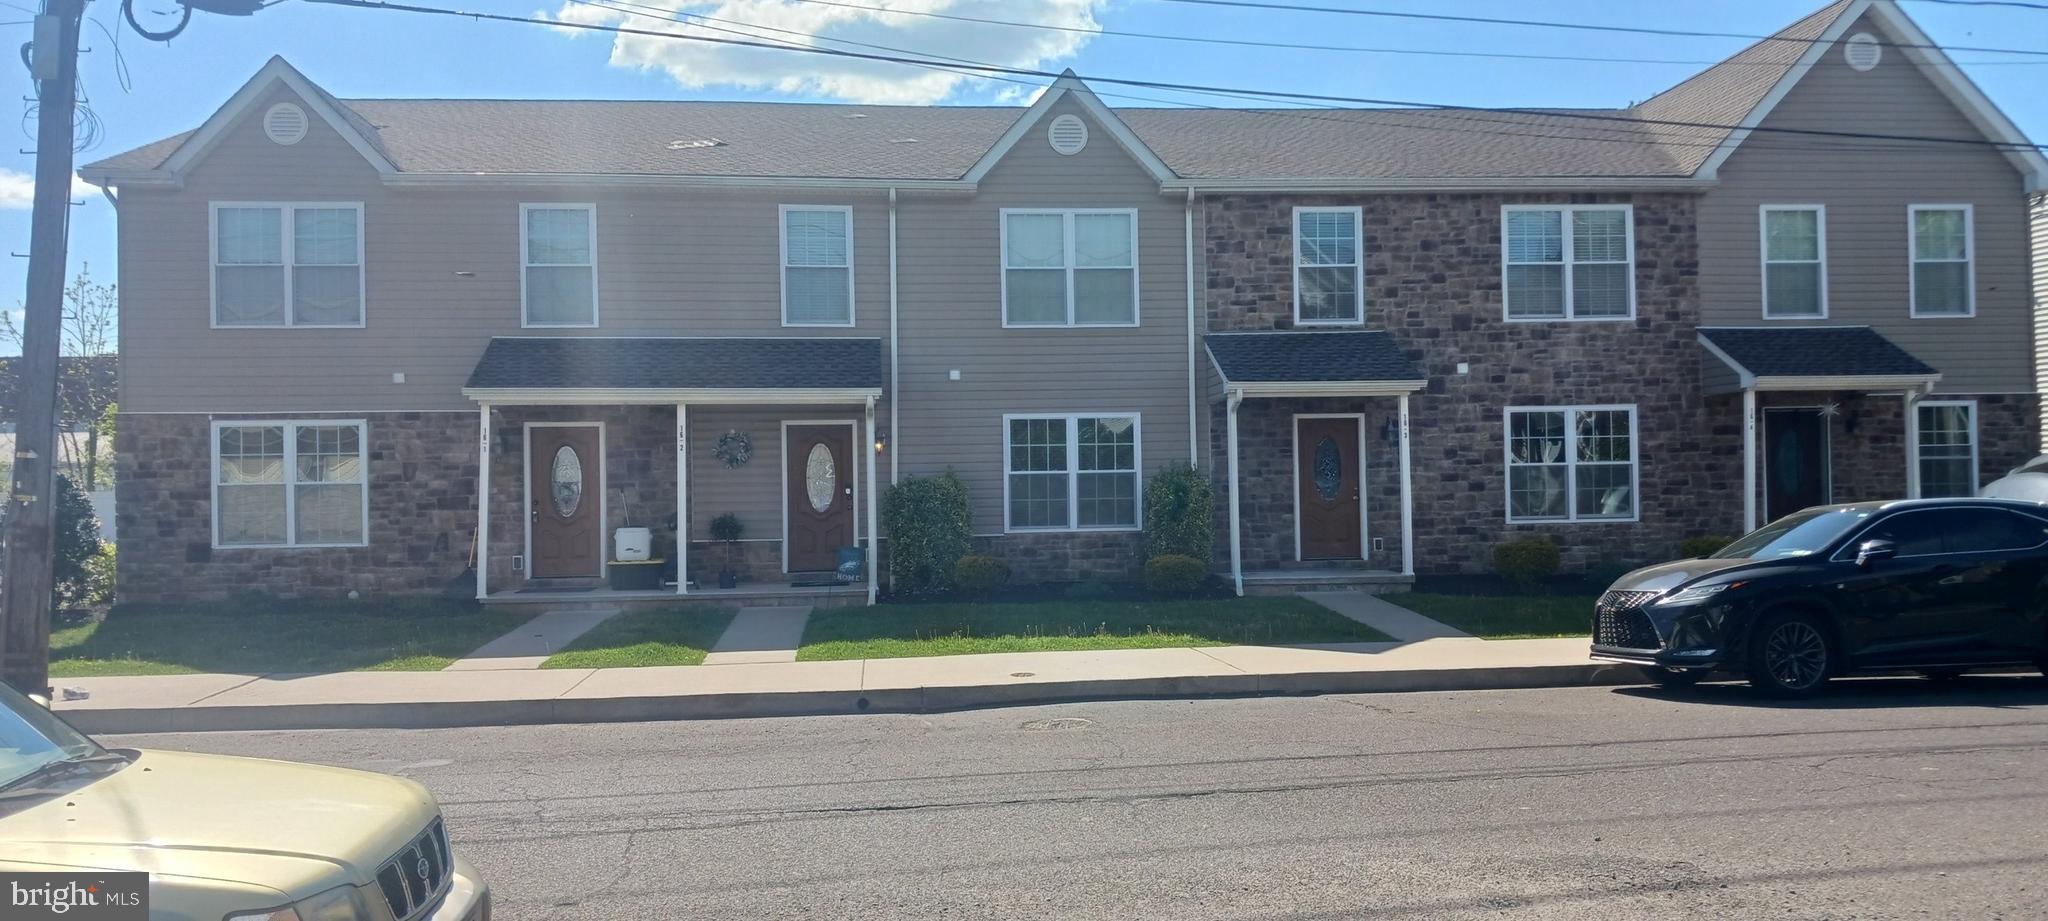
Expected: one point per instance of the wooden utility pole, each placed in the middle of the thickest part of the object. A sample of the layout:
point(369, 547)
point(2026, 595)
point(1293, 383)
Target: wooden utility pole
point(31, 500)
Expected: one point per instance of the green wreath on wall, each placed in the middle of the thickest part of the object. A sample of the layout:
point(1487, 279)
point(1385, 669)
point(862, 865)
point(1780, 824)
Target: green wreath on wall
point(734, 448)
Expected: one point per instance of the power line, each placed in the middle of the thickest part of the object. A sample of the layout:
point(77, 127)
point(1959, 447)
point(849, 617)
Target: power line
point(2014, 4)
point(383, 5)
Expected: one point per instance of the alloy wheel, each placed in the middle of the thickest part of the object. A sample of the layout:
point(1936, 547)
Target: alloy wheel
point(1797, 655)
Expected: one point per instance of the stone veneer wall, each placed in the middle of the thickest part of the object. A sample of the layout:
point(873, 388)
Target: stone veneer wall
point(1067, 556)
point(422, 483)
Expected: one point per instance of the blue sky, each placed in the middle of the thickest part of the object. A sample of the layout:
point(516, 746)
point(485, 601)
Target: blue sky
point(359, 53)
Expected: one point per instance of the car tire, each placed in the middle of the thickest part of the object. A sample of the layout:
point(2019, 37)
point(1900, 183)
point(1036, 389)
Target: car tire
point(1791, 654)
point(1941, 675)
point(1673, 679)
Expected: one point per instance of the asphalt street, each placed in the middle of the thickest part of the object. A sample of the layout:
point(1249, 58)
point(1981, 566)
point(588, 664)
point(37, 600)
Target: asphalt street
point(1894, 798)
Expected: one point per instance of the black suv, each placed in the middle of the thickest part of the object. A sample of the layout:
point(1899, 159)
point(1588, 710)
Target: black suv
point(1932, 585)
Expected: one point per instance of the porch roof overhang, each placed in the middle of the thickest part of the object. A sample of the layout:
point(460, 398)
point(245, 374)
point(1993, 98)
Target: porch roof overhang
point(1311, 364)
point(579, 370)
point(1814, 358)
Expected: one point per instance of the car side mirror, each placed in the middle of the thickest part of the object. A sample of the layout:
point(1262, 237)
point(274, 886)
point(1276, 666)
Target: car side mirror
point(1871, 551)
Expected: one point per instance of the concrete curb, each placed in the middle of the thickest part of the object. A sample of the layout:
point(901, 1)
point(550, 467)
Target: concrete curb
point(450, 714)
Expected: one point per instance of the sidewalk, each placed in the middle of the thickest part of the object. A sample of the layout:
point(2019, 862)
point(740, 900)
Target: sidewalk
point(194, 703)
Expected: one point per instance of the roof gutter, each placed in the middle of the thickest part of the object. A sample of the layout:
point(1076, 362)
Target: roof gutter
point(585, 396)
point(1260, 389)
point(1446, 184)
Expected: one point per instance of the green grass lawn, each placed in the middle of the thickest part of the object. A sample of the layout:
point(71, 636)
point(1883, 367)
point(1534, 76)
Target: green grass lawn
point(1505, 617)
point(253, 636)
point(904, 630)
point(665, 636)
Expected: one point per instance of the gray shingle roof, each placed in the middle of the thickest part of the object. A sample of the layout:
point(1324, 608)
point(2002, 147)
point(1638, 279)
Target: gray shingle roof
point(1815, 351)
point(579, 363)
point(1309, 357)
point(1726, 92)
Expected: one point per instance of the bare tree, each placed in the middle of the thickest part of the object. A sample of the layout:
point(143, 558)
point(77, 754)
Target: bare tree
point(86, 386)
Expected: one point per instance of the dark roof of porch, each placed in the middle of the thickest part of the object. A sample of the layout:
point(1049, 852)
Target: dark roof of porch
point(593, 363)
point(1309, 357)
point(1814, 351)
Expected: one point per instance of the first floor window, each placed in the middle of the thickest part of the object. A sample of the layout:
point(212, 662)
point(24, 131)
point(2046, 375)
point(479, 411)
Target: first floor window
point(287, 265)
point(1942, 249)
point(817, 266)
point(1947, 449)
point(558, 246)
point(1571, 463)
point(1071, 472)
point(1070, 268)
point(1568, 262)
point(289, 484)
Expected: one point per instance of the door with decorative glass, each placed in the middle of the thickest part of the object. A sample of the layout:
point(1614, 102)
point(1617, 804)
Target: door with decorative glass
point(564, 501)
point(819, 502)
point(1328, 490)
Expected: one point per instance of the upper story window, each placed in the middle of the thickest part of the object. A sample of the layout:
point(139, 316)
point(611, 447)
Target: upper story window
point(1075, 472)
point(1569, 262)
point(558, 256)
point(1795, 249)
point(1329, 267)
point(817, 265)
point(287, 264)
point(289, 484)
point(1075, 267)
point(1944, 243)
point(1571, 463)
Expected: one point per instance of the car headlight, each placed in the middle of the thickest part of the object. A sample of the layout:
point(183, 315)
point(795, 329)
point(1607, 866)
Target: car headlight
point(1695, 594)
point(338, 904)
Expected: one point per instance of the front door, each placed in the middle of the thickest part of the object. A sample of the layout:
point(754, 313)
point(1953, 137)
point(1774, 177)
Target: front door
point(1796, 463)
point(1326, 481)
point(564, 492)
point(820, 500)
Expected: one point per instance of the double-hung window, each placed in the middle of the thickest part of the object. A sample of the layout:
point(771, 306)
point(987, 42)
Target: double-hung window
point(1571, 463)
point(1070, 268)
point(1943, 246)
point(1329, 267)
point(817, 265)
point(1075, 472)
point(1568, 262)
point(558, 256)
point(1795, 248)
point(289, 484)
point(1946, 448)
point(287, 264)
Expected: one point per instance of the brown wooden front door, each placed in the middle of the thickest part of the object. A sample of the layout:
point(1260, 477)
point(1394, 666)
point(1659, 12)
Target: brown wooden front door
point(565, 495)
point(820, 500)
point(1327, 482)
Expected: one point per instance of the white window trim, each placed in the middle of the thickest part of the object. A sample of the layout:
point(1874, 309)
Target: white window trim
point(1571, 464)
point(1976, 473)
point(1763, 245)
point(287, 237)
point(291, 478)
point(1570, 312)
point(782, 234)
point(1073, 471)
point(524, 239)
point(1969, 261)
point(1357, 266)
point(1003, 260)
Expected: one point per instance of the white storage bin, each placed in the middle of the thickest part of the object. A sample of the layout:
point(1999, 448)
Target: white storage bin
point(634, 544)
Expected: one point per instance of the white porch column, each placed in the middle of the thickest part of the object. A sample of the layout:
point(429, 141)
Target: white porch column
point(483, 501)
point(1913, 442)
point(1748, 461)
point(1407, 499)
point(873, 500)
point(1236, 543)
point(682, 499)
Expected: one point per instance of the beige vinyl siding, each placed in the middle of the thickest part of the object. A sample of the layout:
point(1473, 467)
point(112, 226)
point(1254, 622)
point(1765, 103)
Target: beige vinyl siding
point(1866, 188)
point(443, 276)
point(754, 490)
point(951, 271)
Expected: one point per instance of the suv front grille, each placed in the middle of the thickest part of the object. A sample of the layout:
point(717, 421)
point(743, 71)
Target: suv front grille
point(1619, 621)
point(415, 879)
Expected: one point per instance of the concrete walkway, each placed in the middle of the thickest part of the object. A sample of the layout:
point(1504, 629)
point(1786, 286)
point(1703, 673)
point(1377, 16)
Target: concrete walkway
point(1386, 617)
point(761, 635)
point(532, 642)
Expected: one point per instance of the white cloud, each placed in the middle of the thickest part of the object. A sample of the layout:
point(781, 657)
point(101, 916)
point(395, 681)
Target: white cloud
point(18, 190)
point(696, 65)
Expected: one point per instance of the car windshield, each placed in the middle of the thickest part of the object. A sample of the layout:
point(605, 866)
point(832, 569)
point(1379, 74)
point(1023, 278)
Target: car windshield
point(31, 738)
point(1797, 534)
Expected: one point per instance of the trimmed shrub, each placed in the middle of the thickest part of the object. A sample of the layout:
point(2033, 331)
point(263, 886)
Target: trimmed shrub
point(1175, 574)
point(1179, 519)
point(978, 575)
point(77, 547)
point(1527, 563)
point(925, 519)
point(1705, 545)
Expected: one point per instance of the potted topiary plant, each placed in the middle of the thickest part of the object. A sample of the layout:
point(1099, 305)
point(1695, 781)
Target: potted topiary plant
point(727, 529)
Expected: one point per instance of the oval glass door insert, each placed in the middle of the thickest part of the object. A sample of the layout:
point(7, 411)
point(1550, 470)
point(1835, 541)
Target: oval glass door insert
point(821, 478)
point(565, 479)
point(1329, 468)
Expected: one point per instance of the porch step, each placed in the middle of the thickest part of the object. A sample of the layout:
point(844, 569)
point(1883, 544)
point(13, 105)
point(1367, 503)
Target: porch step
point(1292, 581)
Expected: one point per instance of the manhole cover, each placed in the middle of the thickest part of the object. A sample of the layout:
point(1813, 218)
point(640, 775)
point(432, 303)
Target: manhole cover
point(1064, 722)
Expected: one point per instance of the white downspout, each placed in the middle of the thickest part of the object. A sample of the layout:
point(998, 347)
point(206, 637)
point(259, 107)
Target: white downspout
point(874, 535)
point(895, 391)
point(1230, 403)
point(1913, 442)
point(1194, 441)
point(1407, 499)
point(1748, 460)
point(682, 499)
point(483, 501)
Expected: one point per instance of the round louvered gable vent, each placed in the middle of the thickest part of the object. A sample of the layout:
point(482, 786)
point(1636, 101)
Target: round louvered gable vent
point(285, 124)
point(1862, 51)
point(1068, 135)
